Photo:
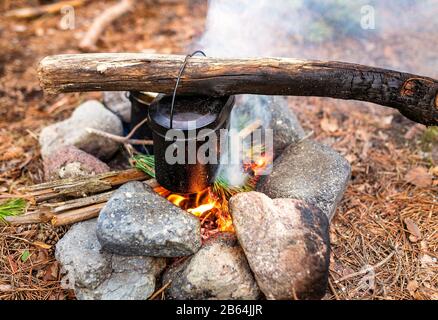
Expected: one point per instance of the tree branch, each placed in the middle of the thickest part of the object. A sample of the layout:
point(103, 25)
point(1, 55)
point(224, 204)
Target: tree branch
point(414, 96)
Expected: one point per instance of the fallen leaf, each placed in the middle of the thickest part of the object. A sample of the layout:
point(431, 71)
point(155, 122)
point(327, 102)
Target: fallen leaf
point(25, 255)
point(12, 263)
point(412, 287)
point(413, 230)
point(42, 245)
point(419, 177)
point(329, 125)
point(41, 259)
point(52, 272)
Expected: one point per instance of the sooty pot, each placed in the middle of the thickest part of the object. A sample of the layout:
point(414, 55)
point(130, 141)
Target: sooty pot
point(177, 165)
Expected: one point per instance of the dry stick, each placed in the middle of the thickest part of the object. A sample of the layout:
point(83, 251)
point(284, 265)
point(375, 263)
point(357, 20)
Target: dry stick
point(156, 293)
point(47, 211)
point(33, 12)
point(366, 270)
point(414, 96)
point(332, 289)
point(82, 202)
point(68, 212)
point(137, 126)
point(94, 184)
point(85, 213)
point(102, 21)
point(119, 138)
point(77, 215)
point(30, 218)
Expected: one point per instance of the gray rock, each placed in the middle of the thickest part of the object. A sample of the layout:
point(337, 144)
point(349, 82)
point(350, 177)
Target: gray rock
point(96, 275)
point(138, 221)
point(276, 115)
point(70, 162)
point(285, 125)
point(311, 172)
point(118, 102)
point(91, 114)
point(286, 243)
point(219, 271)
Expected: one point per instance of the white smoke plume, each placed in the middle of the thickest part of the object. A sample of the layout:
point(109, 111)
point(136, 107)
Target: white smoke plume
point(303, 29)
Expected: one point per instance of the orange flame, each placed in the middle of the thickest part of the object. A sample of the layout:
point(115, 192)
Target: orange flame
point(211, 208)
point(205, 205)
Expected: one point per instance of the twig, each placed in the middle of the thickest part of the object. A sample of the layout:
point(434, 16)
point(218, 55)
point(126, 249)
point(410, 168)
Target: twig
point(159, 291)
point(33, 12)
point(366, 270)
point(119, 138)
point(88, 43)
point(68, 212)
point(138, 125)
point(77, 215)
point(77, 187)
point(332, 289)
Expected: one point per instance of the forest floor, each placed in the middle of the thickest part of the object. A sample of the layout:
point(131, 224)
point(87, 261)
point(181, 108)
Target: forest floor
point(385, 233)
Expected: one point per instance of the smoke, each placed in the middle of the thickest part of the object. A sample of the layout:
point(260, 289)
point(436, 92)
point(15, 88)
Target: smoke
point(314, 29)
point(309, 29)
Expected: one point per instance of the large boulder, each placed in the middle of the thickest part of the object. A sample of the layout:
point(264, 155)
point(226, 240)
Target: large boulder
point(218, 271)
point(71, 162)
point(98, 275)
point(286, 243)
point(73, 131)
point(138, 221)
point(311, 172)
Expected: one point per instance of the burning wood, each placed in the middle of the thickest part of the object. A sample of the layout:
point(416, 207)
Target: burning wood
point(414, 96)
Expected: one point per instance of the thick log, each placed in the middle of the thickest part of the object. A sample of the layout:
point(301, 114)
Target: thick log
point(414, 96)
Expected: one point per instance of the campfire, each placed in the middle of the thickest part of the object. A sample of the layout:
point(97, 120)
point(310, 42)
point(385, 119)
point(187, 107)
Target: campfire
point(211, 204)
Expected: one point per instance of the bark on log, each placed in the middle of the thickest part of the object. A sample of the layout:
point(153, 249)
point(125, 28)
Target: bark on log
point(414, 96)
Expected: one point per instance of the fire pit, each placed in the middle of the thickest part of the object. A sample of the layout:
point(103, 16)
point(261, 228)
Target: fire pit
point(268, 221)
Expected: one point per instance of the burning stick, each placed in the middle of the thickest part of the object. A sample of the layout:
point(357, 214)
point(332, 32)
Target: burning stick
point(414, 96)
point(103, 21)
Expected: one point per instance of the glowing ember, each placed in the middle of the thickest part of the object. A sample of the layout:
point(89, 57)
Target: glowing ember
point(212, 207)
